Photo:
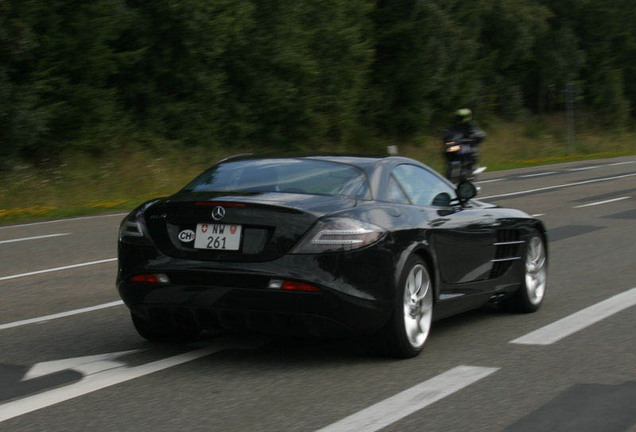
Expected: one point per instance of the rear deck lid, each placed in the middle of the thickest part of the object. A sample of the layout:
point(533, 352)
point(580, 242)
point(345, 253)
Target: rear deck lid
point(236, 227)
point(253, 209)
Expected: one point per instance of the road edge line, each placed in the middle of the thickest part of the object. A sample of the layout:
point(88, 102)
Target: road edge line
point(46, 236)
point(60, 315)
point(62, 220)
point(564, 185)
point(37, 272)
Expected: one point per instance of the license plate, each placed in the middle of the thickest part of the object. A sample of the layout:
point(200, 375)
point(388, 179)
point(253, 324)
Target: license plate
point(218, 237)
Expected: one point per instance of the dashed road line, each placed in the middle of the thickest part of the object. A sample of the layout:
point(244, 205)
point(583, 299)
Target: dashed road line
point(537, 174)
point(602, 202)
point(536, 215)
point(60, 315)
point(3, 278)
point(622, 163)
point(560, 186)
point(33, 238)
point(411, 400)
point(585, 168)
point(491, 180)
point(578, 321)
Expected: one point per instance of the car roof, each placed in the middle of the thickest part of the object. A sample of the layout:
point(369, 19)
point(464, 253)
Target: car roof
point(365, 162)
point(376, 167)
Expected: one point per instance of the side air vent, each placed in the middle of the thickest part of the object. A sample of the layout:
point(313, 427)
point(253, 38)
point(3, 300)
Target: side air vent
point(506, 252)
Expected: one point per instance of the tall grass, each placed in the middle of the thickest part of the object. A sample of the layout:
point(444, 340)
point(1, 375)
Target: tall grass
point(82, 184)
point(535, 141)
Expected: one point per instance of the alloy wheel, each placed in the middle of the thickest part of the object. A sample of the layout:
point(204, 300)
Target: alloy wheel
point(418, 305)
point(535, 270)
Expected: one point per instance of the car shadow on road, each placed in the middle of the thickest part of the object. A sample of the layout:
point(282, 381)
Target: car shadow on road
point(368, 349)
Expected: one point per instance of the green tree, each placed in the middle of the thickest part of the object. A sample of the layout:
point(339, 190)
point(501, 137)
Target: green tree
point(607, 36)
point(22, 118)
point(510, 31)
point(301, 72)
point(557, 62)
point(172, 76)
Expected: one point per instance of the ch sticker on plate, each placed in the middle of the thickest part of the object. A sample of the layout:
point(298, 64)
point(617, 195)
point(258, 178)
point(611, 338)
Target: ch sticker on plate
point(218, 237)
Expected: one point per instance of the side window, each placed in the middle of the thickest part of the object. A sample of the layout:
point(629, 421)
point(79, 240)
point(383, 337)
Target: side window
point(396, 193)
point(423, 187)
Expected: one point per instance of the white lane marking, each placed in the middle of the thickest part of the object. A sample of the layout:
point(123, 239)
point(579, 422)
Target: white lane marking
point(621, 163)
point(538, 215)
point(538, 174)
point(558, 186)
point(60, 315)
point(57, 269)
point(490, 181)
point(34, 238)
point(63, 220)
point(111, 377)
point(602, 202)
point(578, 321)
point(411, 400)
point(584, 168)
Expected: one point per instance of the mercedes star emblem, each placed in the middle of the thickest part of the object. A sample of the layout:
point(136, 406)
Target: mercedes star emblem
point(218, 212)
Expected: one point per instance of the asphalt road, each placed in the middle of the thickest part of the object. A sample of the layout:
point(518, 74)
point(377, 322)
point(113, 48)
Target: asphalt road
point(470, 376)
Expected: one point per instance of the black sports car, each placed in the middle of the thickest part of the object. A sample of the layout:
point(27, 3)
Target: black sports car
point(325, 246)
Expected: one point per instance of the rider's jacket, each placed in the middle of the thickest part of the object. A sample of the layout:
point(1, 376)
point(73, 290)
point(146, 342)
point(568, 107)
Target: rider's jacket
point(469, 130)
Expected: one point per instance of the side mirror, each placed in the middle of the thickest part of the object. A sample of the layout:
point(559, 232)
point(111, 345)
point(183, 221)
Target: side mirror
point(465, 191)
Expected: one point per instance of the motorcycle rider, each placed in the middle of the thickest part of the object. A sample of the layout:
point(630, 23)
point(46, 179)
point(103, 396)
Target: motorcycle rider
point(468, 130)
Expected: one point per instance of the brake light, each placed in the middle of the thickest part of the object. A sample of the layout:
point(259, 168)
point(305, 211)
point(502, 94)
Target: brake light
point(151, 278)
point(292, 286)
point(299, 286)
point(224, 204)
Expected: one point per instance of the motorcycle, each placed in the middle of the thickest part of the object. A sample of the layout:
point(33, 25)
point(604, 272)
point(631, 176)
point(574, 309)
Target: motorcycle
point(461, 157)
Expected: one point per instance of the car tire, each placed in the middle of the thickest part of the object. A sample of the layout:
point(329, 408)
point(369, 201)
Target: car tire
point(532, 291)
point(159, 332)
point(410, 324)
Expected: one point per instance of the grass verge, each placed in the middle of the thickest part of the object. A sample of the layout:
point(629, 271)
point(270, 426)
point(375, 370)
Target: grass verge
point(83, 185)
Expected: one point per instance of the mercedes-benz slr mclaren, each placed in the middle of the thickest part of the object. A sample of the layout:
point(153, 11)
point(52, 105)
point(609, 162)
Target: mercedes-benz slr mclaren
point(325, 246)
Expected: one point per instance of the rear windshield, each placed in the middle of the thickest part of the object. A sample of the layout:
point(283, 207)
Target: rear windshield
point(304, 176)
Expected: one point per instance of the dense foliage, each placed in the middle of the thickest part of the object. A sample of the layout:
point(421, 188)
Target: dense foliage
point(288, 73)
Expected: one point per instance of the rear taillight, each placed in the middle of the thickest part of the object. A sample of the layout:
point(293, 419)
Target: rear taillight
point(133, 225)
point(338, 234)
point(130, 228)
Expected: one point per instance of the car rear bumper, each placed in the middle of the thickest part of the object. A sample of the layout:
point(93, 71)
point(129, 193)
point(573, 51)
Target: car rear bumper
point(317, 314)
point(355, 297)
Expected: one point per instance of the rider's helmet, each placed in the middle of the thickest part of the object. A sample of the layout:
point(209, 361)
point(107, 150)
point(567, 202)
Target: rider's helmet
point(463, 115)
